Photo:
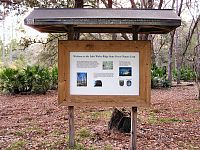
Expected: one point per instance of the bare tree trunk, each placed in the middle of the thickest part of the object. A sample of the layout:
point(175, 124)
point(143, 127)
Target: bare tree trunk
point(170, 52)
point(197, 69)
point(197, 62)
point(178, 68)
point(150, 4)
point(189, 38)
point(198, 87)
point(143, 4)
point(176, 51)
point(124, 35)
point(133, 5)
point(110, 3)
point(160, 4)
point(78, 4)
point(105, 3)
point(97, 3)
point(153, 56)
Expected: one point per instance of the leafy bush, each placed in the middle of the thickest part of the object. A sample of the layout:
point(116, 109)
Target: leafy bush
point(10, 80)
point(186, 74)
point(41, 80)
point(54, 78)
point(157, 82)
point(160, 72)
point(32, 79)
point(159, 77)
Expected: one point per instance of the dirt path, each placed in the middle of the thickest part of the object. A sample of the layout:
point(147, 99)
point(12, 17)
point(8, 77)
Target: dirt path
point(36, 122)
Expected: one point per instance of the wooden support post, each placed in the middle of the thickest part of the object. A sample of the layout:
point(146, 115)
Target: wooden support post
point(71, 32)
point(133, 142)
point(71, 108)
point(133, 128)
point(135, 32)
point(71, 127)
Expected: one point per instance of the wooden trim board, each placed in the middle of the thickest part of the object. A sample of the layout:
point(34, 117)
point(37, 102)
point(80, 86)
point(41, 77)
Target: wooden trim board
point(144, 49)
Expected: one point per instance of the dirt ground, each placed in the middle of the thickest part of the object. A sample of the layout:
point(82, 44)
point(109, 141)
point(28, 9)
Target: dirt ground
point(37, 122)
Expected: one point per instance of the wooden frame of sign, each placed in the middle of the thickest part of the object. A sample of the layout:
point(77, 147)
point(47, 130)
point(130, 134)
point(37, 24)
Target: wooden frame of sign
point(142, 47)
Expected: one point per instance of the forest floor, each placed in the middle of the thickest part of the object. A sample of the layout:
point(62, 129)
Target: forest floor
point(37, 122)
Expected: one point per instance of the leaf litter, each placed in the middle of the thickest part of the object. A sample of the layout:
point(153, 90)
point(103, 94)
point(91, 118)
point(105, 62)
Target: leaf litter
point(37, 122)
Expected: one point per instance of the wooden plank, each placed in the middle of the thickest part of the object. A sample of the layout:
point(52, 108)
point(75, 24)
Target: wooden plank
point(148, 75)
point(133, 143)
point(143, 47)
point(61, 73)
point(71, 127)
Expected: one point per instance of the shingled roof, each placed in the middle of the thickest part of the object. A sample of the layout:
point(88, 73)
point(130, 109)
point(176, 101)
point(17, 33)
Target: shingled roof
point(53, 20)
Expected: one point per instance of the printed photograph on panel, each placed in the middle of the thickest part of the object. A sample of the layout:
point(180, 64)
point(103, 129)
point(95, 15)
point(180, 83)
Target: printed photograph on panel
point(81, 79)
point(125, 71)
point(107, 65)
point(98, 83)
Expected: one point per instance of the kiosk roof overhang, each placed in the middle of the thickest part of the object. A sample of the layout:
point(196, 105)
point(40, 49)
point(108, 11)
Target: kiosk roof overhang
point(54, 20)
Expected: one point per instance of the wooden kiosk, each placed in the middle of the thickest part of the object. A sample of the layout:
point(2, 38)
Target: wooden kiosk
point(104, 73)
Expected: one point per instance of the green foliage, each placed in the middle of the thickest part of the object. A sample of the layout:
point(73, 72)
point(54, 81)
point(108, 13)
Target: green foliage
point(54, 78)
point(186, 74)
point(79, 146)
point(159, 77)
point(84, 133)
point(108, 147)
point(19, 133)
point(169, 120)
point(40, 79)
point(153, 119)
point(103, 114)
point(32, 79)
point(17, 145)
point(10, 80)
point(95, 115)
point(160, 72)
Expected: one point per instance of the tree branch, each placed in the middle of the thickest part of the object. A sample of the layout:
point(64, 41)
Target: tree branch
point(133, 5)
point(160, 4)
point(105, 3)
point(124, 35)
point(180, 8)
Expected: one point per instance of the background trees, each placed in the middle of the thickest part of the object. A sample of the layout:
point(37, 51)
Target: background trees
point(177, 50)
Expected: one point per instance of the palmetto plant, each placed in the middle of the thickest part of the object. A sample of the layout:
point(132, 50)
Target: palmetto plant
point(40, 79)
point(34, 79)
point(9, 80)
point(158, 77)
point(54, 78)
point(187, 74)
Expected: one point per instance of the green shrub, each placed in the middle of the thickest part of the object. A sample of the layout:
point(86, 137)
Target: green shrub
point(20, 144)
point(159, 77)
point(28, 77)
point(84, 133)
point(10, 80)
point(186, 74)
point(160, 72)
point(54, 78)
point(157, 82)
point(33, 79)
point(41, 80)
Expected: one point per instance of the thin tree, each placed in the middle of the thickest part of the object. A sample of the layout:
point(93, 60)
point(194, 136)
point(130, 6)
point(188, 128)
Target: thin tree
point(197, 69)
point(172, 34)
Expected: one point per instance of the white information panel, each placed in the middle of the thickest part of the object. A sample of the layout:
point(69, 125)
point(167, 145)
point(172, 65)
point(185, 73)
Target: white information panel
point(104, 73)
